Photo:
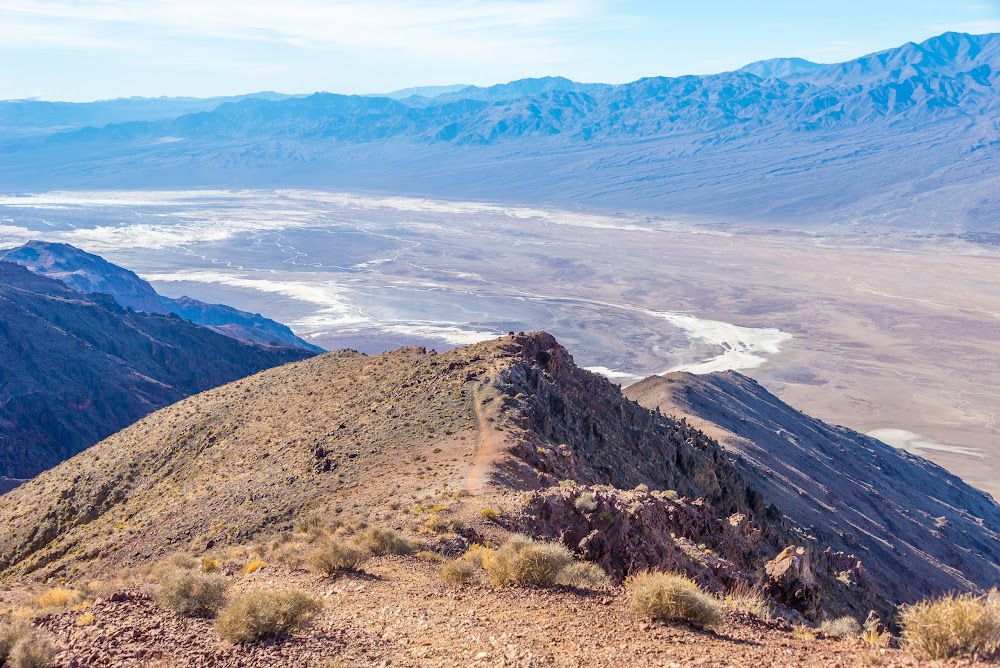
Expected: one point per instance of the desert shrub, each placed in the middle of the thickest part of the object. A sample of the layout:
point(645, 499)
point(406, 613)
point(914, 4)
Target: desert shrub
point(427, 555)
point(750, 600)
point(85, 619)
point(23, 646)
point(842, 627)
point(264, 614)
point(586, 502)
point(57, 597)
point(288, 555)
point(191, 593)
point(802, 632)
point(459, 571)
point(489, 513)
point(585, 575)
point(671, 596)
point(950, 626)
point(379, 541)
point(526, 562)
point(209, 565)
point(172, 562)
point(333, 555)
point(253, 566)
point(477, 553)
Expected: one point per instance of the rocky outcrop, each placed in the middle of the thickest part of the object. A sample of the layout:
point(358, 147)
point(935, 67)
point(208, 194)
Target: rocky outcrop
point(792, 581)
point(631, 531)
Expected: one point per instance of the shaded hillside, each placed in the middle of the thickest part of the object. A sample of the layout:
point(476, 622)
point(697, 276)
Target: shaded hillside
point(88, 273)
point(917, 528)
point(247, 327)
point(75, 368)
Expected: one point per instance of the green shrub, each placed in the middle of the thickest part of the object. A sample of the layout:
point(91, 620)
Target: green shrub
point(23, 646)
point(264, 614)
point(671, 596)
point(526, 562)
point(842, 627)
point(459, 571)
point(379, 541)
point(191, 593)
point(950, 626)
point(333, 555)
point(585, 575)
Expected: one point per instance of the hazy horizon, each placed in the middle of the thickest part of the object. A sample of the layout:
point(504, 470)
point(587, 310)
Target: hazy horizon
point(61, 50)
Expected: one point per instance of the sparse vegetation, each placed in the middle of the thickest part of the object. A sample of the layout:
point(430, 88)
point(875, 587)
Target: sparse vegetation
point(459, 571)
point(842, 627)
point(264, 614)
point(209, 565)
point(489, 514)
point(253, 566)
point(57, 597)
point(477, 553)
point(748, 599)
point(379, 541)
point(191, 593)
point(332, 556)
point(670, 596)
point(586, 502)
point(953, 625)
point(523, 561)
point(585, 575)
point(802, 632)
point(24, 646)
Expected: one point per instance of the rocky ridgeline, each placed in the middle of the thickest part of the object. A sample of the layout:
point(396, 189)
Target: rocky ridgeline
point(423, 442)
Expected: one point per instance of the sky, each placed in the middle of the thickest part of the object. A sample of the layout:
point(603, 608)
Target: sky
point(82, 50)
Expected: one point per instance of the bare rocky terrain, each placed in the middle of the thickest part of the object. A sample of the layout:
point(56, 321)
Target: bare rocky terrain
point(452, 449)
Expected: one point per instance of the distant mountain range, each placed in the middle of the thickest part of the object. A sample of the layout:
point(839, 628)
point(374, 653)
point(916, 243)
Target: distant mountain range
point(76, 368)
point(87, 273)
point(906, 138)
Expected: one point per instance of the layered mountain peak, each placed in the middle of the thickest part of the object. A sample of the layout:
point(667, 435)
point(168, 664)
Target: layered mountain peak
point(90, 274)
point(86, 273)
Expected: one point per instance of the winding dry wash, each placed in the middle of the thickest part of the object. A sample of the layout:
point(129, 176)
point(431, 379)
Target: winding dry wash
point(889, 335)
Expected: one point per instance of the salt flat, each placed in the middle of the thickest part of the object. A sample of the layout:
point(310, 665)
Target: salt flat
point(880, 333)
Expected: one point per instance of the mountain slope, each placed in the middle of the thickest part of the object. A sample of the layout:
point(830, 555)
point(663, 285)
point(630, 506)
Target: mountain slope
point(345, 430)
point(75, 368)
point(510, 424)
point(903, 138)
point(899, 513)
point(89, 273)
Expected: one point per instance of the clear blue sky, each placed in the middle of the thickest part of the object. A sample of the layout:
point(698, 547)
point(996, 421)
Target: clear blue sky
point(94, 49)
